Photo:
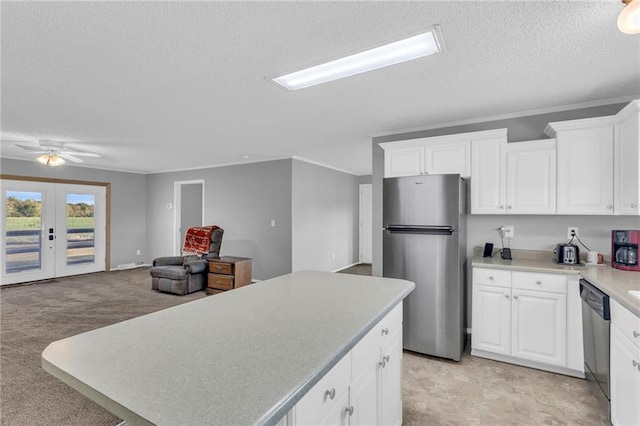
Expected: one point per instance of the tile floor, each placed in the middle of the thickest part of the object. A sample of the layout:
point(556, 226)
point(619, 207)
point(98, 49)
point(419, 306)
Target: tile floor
point(478, 391)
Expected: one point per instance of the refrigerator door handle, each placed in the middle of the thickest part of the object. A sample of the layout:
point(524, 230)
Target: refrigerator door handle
point(420, 229)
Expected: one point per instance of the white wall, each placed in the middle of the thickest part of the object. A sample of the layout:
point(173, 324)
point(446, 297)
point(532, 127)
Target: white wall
point(324, 218)
point(544, 232)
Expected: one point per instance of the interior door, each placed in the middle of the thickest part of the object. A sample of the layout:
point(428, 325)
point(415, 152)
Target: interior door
point(51, 230)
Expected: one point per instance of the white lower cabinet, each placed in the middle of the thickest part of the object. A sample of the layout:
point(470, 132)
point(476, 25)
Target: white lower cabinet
point(539, 329)
point(521, 317)
point(364, 387)
point(625, 366)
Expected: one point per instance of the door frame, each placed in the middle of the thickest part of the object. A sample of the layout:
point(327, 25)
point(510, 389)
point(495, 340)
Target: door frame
point(177, 210)
point(364, 210)
point(106, 185)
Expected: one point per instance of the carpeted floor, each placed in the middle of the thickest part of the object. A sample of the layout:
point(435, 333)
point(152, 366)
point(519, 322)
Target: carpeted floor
point(435, 391)
point(32, 316)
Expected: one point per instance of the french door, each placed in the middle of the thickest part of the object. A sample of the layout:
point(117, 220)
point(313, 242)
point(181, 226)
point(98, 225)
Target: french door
point(51, 230)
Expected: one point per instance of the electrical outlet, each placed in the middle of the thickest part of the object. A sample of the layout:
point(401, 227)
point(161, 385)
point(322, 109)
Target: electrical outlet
point(571, 231)
point(509, 231)
point(138, 252)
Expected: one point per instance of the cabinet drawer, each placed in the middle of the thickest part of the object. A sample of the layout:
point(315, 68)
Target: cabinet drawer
point(220, 282)
point(494, 277)
point(553, 283)
point(220, 268)
point(329, 391)
point(626, 322)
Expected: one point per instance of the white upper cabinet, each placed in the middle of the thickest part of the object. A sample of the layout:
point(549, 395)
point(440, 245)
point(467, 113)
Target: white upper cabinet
point(487, 181)
point(513, 178)
point(531, 177)
point(404, 161)
point(585, 165)
point(437, 155)
point(627, 161)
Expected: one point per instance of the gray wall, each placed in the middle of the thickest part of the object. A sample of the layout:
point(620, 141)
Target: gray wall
point(533, 232)
point(128, 205)
point(241, 199)
point(325, 209)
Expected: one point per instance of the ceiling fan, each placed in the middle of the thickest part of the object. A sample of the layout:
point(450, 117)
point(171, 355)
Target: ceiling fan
point(54, 153)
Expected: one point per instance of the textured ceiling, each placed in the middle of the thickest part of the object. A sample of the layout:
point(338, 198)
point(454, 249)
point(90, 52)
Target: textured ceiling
point(159, 86)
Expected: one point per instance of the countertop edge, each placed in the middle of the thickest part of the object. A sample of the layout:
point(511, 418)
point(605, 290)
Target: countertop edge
point(273, 416)
point(95, 396)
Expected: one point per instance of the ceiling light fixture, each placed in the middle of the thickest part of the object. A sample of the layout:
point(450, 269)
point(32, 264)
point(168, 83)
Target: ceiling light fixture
point(50, 160)
point(404, 50)
point(629, 18)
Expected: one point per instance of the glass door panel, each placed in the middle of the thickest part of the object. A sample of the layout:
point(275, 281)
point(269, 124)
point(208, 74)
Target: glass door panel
point(81, 223)
point(24, 224)
point(80, 228)
point(26, 247)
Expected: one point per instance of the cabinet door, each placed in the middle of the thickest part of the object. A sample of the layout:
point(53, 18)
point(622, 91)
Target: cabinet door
point(390, 380)
point(448, 158)
point(531, 177)
point(585, 171)
point(539, 326)
point(627, 159)
point(326, 401)
point(487, 176)
point(491, 319)
point(625, 380)
point(406, 161)
point(363, 395)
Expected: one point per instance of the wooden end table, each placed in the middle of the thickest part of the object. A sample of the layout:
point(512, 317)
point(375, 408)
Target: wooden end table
point(227, 273)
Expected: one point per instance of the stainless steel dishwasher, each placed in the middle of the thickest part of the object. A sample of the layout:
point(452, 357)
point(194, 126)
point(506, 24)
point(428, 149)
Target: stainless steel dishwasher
point(595, 329)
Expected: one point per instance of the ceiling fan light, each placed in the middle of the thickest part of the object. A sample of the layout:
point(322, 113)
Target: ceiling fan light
point(50, 160)
point(629, 18)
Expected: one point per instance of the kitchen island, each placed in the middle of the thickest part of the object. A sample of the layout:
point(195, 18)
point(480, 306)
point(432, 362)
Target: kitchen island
point(242, 357)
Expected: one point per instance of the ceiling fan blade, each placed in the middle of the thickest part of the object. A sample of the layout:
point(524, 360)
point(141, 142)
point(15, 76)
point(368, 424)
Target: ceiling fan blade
point(31, 148)
point(66, 156)
point(80, 153)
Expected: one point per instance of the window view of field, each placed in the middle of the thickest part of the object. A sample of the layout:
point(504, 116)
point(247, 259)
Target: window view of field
point(24, 230)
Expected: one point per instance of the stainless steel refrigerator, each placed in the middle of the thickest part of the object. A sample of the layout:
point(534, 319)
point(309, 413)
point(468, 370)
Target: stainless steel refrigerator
point(424, 242)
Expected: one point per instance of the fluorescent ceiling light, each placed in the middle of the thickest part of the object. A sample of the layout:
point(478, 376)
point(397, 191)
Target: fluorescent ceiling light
point(393, 53)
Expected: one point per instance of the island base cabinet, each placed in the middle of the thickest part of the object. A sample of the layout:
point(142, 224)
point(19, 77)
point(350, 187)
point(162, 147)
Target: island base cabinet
point(364, 387)
point(391, 381)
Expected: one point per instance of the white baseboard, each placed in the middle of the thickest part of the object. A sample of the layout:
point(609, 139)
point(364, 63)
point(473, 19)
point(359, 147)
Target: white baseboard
point(345, 267)
point(125, 266)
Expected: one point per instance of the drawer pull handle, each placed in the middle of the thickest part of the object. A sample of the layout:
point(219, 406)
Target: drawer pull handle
point(506, 296)
point(349, 410)
point(636, 334)
point(491, 277)
point(385, 331)
point(515, 296)
point(330, 393)
point(384, 361)
point(539, 282)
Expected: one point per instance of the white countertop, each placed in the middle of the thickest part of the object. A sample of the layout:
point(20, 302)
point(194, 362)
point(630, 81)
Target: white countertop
point(241, 357)
point(614, 282)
